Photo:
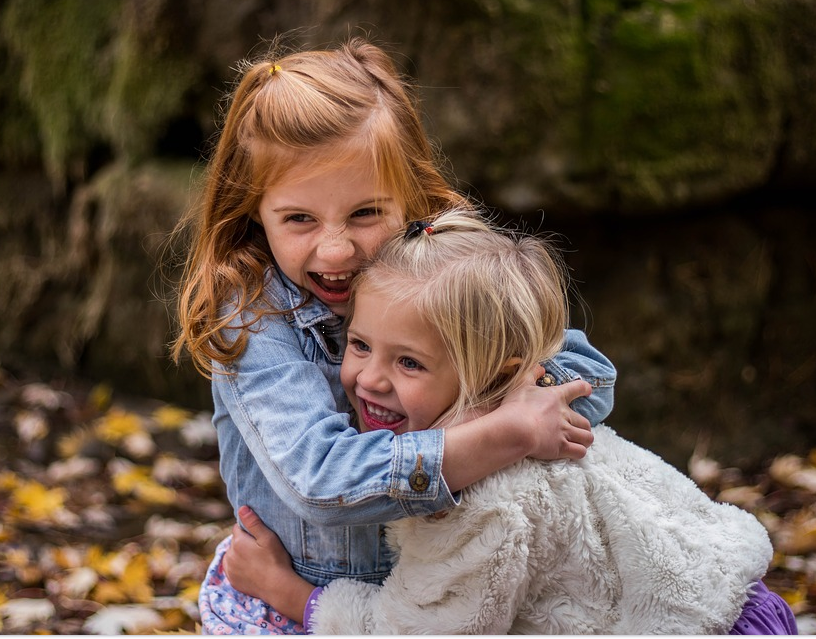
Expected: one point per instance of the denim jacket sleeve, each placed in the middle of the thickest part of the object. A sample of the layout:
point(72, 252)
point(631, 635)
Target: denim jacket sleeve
point(286, 411)
point(578, 359)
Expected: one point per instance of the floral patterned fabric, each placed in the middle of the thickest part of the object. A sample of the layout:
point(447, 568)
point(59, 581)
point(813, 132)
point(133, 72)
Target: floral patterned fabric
point(227, 611)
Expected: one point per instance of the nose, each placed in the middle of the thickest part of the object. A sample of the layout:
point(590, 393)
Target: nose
point(371, 377)
point(335, 246)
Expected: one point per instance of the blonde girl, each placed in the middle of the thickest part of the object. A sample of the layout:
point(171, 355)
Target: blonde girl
point(442, 325)
point(320, 159)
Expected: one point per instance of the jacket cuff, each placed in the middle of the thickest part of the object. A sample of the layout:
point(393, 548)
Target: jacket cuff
point(416, 478)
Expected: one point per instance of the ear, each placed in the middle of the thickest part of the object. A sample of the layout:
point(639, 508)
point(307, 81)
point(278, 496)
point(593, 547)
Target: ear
point(510, 365)
point(255, 216)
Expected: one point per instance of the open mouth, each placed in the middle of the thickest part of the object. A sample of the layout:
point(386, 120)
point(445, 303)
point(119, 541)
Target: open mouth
point(376, 417)
point(332, 287)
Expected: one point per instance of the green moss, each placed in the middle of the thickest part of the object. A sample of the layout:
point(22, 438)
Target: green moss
point(64, 57)
point(684, 89)
point(150, 79)
point(104, 73)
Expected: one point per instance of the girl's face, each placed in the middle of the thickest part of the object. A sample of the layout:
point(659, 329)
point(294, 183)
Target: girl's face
point(321, 224)
point(395, 371)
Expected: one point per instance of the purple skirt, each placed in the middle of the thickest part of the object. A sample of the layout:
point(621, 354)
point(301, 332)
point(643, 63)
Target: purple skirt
point(765, 613)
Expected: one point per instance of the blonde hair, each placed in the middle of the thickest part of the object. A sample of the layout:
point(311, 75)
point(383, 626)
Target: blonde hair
point(330, 103)
point(498, 299)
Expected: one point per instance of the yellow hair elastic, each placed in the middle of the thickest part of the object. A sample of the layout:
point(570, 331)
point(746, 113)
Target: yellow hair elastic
point(274, 69)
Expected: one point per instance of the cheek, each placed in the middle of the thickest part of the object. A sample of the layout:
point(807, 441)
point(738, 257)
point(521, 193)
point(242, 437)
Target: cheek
point(348, 377)
point(375, 238)
point(288, 251)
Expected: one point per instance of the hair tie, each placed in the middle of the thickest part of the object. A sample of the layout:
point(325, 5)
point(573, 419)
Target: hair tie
point(275, 68)
point(416, 227)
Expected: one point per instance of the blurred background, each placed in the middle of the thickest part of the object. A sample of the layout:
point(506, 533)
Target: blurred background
point(670, 143)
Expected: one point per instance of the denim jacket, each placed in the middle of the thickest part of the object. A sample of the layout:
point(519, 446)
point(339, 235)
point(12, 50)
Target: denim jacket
point(290, 452)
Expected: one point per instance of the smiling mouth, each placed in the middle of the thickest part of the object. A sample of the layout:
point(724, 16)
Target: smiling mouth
point(379, 418)
point(332, 287)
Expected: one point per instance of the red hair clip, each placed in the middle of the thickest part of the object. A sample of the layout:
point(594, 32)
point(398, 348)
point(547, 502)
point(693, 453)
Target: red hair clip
point(416, 227)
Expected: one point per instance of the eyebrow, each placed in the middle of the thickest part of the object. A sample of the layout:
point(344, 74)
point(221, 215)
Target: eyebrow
point(284, 208)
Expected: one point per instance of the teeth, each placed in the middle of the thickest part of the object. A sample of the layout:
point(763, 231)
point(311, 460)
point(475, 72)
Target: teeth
point(382, 414)
point(334, 277)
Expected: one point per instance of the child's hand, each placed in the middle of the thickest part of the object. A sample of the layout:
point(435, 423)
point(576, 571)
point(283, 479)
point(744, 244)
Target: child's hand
point(557, 431)
point(257, 564)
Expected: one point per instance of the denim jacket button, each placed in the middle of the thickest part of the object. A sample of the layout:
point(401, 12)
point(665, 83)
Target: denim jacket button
point(545, 380)
point(419, 479)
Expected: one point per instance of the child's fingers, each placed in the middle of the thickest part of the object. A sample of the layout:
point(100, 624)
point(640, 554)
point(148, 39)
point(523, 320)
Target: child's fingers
point(582, 436)
point(579, 438)
point(575, 389)
point(574, 451)
point(255, 527)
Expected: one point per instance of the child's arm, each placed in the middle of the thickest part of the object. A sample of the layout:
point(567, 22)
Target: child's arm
point(258, 565)
point(439, 586)
point(278, 409)
point(555, 429)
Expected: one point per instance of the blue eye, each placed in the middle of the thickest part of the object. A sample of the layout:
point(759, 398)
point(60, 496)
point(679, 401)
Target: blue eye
point(360, 345)
point(410, 364)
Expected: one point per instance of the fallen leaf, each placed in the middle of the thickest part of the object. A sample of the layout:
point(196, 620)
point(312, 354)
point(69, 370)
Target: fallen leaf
point(100, 396)
point(162, 528)
point(72, 444)
point(171, 417)
point(785, 469)
point(136, 579)
point(24, 612)
point(117, 424)
point(746, 497)
point(43, 396)
point(129, 478)
point(99, 560)
point(703, 470)
point(199, 431)
point(75, 467)
point(32, 500)
point(30, 425)
point(117, 620)
point(797, 536)
point(79, 582)
point(139, 445)
point(8, 480)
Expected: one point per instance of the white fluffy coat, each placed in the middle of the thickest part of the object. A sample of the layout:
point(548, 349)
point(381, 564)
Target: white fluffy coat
point(618, 543)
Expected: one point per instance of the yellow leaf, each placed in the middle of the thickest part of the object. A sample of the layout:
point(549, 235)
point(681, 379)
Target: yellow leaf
point(8, 480)
point(117, 424)
point(190, 593)
point(72, 444)
point(136, 580)
point(795, 598)
point(100, 396)
point(109, 592)
point(136, 480)
point(34, 501)
point(173, 618)
point(171, 417)
point(127, 476)
point(17, 557)
point(99, 560)
point(154, 493)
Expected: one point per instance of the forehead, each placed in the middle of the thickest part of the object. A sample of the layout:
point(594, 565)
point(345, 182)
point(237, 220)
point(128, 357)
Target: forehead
point(392, 318)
